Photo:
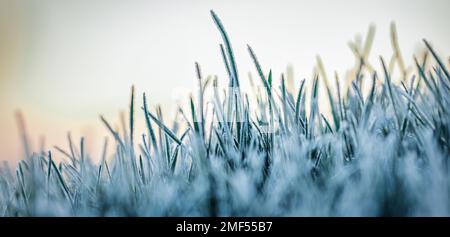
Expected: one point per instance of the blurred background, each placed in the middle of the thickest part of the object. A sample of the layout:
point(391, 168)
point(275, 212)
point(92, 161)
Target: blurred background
point(64, 62)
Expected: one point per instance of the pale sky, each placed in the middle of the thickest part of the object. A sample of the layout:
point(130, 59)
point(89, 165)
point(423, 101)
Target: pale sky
point(65, 62)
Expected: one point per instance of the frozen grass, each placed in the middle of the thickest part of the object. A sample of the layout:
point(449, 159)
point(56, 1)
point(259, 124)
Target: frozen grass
point(382, 150)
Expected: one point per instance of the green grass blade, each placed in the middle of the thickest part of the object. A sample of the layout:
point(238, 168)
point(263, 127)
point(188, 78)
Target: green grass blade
point(227, 43)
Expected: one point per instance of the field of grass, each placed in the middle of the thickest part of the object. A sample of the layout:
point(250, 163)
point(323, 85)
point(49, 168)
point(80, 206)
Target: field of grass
point(381, 149)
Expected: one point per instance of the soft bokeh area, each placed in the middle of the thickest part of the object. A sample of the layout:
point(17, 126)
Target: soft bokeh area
point(62, 63)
